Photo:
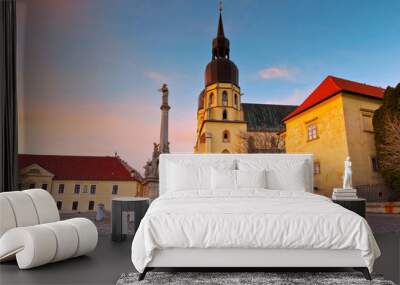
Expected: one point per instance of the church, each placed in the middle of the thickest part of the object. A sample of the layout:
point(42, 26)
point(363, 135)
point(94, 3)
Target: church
point(224, 123)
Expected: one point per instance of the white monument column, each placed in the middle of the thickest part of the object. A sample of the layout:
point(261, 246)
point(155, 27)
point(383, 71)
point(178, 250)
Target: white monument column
point(164, 143)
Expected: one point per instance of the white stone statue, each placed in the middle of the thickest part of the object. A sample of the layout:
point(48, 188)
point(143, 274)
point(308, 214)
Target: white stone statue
point(347, 177)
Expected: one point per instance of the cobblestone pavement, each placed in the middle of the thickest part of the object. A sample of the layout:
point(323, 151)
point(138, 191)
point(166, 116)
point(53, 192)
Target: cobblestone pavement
point(379, 223)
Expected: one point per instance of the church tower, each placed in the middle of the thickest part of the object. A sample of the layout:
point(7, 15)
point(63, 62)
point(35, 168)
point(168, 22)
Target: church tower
point(219, 116)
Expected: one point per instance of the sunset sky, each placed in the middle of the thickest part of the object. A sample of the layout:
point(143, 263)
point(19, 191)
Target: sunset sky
point(89, 70)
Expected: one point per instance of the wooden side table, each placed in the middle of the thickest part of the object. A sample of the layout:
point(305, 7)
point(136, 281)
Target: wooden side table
point(137, 205)
point(356, 205)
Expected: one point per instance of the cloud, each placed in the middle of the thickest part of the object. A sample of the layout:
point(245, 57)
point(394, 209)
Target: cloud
point(277, 72)
point(296, 98)
point(156, 76)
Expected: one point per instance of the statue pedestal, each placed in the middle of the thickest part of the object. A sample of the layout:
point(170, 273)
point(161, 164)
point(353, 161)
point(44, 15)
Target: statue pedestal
point(344, 194)
point(150, 187)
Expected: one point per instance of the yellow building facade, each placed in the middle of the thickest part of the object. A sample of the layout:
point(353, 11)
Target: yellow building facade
point(334, 122)
point(70, 191)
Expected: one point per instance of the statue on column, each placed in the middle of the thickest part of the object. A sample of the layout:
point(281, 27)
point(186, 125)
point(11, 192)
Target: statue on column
point(151, 180)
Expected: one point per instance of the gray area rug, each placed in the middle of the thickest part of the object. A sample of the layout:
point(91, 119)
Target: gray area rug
point(232, 278)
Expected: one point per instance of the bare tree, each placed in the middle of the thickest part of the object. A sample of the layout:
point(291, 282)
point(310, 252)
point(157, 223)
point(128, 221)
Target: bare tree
point(390, 147)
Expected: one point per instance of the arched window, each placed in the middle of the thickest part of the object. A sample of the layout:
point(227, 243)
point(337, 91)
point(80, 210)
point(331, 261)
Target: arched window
point(225, 151)
point(210, 100)
point(224, 115)
point(226, 136)
point(224, 98)
point(235, 100)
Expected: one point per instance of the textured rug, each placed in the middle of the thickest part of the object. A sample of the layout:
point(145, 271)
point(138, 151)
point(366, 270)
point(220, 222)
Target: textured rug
point(243, 278)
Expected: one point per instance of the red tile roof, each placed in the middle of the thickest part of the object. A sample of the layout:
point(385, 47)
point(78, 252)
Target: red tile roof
point(69, 167)
point(330, 86)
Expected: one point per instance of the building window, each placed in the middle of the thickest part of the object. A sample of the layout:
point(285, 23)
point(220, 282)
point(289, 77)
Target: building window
point(91, 205)
point(32, 185)
point(225, 151)
point(44, 186)
point(210, 99)
point(375, 164)
point(61, 189)
point(75, 205)
point(85, 189)
point(20, 186)
point(224, 98)
point(77, 189)
point(317, 167)
point(312, 132)
point(59, 205)
point(367, 121)
point(115, 189)
point(224, 115)
point(235, 100)
point(92, 189)
point(226, 136)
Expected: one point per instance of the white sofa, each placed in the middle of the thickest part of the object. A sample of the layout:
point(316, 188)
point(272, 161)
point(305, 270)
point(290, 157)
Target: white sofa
point(31, 230)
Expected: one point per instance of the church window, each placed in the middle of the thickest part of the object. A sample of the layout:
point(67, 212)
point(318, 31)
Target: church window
point(224, 115)
point(236, 100)
point(226, 136)
point(312, 132)
point(210, 100)
point(224, 98)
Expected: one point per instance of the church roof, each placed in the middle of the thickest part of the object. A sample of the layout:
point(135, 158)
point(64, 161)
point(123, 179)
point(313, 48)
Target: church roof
point(265, 117)
point(331, 86)
point(71, 167)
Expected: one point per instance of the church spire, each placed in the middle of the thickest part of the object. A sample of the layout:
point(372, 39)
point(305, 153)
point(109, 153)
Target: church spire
point(220, 44)
point(220, 25)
